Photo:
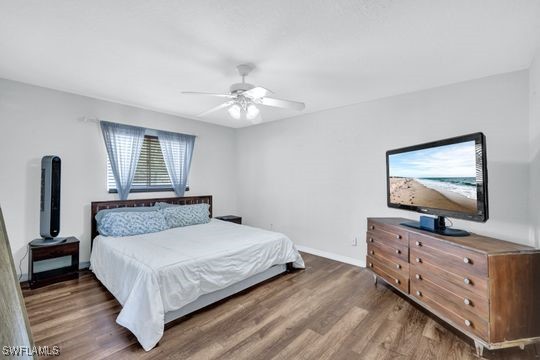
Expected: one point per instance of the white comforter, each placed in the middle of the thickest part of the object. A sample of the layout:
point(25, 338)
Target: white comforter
point(152, 274)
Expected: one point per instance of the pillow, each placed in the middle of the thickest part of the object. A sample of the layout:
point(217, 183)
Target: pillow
point(184, 215)
point(132, 223)
point(100, 214)
point(162, 205)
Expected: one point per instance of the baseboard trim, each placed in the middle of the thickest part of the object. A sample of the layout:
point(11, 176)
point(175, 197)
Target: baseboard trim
point(332, 256)
point(82, 265)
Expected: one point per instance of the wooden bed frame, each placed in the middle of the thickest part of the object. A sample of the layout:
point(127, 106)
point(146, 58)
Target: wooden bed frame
point(115, 204)
point(206, 299)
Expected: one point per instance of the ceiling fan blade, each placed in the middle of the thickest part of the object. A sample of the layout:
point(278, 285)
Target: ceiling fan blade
point(216, 108)
point(286, 104)
point(257, 92)
point(228, 96)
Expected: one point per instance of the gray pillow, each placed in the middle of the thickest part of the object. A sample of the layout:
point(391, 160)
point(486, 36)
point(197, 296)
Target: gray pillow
point(100, 214)
point(130, 223)
point(184, 215)
point(162, 205)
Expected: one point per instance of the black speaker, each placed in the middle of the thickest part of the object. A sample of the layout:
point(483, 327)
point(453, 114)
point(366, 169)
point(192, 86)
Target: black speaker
point(50, 196)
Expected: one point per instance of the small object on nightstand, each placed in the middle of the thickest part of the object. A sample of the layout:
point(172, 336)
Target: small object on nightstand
point(70, 247)
point(231, 218)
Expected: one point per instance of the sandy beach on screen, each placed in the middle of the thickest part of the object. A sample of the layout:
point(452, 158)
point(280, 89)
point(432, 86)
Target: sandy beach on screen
point(408, 191)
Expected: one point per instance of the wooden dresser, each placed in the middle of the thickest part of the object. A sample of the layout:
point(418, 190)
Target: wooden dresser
point(487, 288)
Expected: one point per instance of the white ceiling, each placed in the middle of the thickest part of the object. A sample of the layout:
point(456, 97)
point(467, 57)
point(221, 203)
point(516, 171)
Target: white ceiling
point(327, 53)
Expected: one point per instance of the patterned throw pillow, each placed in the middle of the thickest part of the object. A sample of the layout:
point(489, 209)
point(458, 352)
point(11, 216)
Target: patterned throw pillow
point(132, 223)
point(163, 205)
point(104, 212)
point(185, 215)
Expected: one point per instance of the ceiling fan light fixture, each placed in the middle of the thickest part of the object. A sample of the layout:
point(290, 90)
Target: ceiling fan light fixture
point(252, 112)
point(235, 111)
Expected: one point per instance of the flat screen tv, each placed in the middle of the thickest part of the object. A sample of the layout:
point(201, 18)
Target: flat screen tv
point(446, 178)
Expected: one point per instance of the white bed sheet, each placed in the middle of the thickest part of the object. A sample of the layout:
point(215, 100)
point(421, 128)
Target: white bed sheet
point(152, 274)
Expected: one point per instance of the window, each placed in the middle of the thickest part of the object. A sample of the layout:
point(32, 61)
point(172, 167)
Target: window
point(151, 173)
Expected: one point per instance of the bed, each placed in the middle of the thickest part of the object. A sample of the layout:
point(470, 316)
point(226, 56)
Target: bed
point(162, 276)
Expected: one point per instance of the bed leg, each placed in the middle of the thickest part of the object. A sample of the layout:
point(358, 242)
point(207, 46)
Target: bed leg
point(289, 267)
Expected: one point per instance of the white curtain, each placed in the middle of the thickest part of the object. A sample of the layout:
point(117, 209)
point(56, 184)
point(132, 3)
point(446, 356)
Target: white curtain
point(177, 151)
point(123, 143)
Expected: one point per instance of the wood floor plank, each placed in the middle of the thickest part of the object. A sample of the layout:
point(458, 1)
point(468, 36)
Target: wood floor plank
point(296, 348)
point(333, 339)
point(330, 310)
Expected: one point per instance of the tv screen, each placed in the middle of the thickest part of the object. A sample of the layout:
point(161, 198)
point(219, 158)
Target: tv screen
point(443, 178)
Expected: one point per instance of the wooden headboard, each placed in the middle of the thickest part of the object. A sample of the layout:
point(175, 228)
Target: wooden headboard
point(101, 205)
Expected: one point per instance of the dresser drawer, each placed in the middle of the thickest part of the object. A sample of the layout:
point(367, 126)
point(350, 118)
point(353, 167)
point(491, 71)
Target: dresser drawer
point(384, 270)
point(399, 255)
point(462, 300)
point(388, 238)
point(451, 257)
point(467, 286)
point(465, 320)
point(399, 266)
point(389, 231)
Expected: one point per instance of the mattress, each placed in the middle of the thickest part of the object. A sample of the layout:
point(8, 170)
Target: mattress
point(153, 274)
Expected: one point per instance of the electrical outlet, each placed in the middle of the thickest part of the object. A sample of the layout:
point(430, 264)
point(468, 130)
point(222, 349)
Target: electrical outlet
point(355, 241)
point(271, 226)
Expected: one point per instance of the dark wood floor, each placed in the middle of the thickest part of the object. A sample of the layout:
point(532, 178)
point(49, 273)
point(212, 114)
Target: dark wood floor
point(329, 311)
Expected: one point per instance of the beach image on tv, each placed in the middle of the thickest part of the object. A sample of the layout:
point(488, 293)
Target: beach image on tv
point(442, 177)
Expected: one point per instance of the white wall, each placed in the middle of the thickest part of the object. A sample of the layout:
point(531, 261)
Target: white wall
point(314, 177)
point(318, 176)
point(36, 121)
point(534, 119)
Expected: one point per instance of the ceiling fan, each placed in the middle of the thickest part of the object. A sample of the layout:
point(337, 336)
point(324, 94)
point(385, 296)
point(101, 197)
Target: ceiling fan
point(244, 99)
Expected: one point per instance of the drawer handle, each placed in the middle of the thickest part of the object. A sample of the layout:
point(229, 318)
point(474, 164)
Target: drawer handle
point(467, 301)
point(397, 281)
point(371, 252)
point(372, 227)
point(418, 243)
point(370, 265)
point(370, 239)
point(466, 260)
point(418, 260)
point(467, 281)
point(398, 252)
point(468, 323)
point(418, 277)
point(418, 293)
point(398, 266)
point(398, 236)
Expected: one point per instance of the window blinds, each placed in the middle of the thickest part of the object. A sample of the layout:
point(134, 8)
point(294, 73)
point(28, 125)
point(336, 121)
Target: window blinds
point(151, 173)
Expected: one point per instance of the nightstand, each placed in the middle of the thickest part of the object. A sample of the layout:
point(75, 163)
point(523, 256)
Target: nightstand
point(231, 218)
point(39, 255)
